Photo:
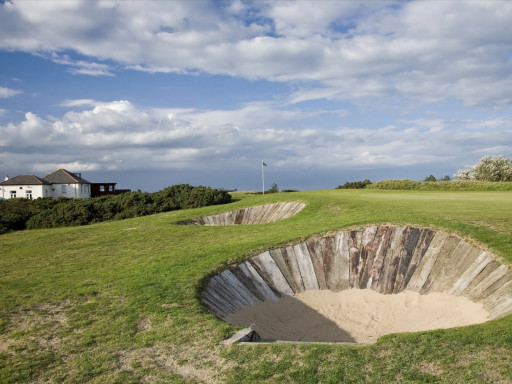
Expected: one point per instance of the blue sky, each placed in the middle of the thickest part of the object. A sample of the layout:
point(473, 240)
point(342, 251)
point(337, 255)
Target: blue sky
point(149, 94)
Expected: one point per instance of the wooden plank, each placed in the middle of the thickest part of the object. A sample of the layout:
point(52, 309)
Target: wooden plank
point(366, 257)
point(452, 267)
point(391, 261)
point(239, 218)
point(328, 258)
point(283, 264)
point(381, 244)
point(277, 212)
point(424, 268)
point(470, 274)
point(307, 270)
point(317, 249)
point(443, 266)
point(490, 284)
point(225, 298)
point(258, 282)
point(293, 266)
point(409, 243)
point(249, 277)
point(269, 271)
point(218, 308)
point(234, 285)
point(425, 237)
point(339, 275)
point(489, 268)
point(499, 303)
point(248, 218)
point(354, 257)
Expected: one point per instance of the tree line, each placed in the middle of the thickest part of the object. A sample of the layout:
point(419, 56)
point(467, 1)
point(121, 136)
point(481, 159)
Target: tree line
point(19, 214)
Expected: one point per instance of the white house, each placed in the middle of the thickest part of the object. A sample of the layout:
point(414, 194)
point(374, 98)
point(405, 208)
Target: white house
point(55, 184)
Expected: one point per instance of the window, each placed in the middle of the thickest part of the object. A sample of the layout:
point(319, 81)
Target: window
point(111, 188)
point(28, 194)
point(102, 188)
point(13, 194)
point(63, 188)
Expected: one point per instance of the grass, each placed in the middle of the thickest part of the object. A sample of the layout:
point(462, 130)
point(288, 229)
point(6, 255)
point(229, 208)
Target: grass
point(455, 185)
point(117, 302)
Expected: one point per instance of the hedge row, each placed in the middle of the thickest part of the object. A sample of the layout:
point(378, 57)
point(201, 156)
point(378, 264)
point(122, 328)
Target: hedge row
point(354, 184)
point(18, 214)
point(441, 185)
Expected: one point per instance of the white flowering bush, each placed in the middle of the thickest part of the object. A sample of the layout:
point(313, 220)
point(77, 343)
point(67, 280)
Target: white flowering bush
point(489, 168)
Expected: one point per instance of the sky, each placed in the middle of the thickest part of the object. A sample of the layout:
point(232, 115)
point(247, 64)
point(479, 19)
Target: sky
point(155, 93)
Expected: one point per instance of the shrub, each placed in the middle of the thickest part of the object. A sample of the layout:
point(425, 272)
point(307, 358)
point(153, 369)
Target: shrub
point(489, 168)
point(17, 214)
point(355, 184)
point(14, 213)
point(395, 184)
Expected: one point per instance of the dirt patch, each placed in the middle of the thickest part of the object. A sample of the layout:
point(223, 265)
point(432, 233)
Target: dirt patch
point(144, 325)
point(430, 368)
point(197, 365)
point(38, 324)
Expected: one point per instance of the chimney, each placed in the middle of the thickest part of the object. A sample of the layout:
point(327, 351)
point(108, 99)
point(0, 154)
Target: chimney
point(6, 177)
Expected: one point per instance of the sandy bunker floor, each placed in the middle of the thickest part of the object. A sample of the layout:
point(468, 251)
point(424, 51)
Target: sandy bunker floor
point(356, 315)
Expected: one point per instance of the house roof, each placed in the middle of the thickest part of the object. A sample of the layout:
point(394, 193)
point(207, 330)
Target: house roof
point(62, 176)
point(25, 180)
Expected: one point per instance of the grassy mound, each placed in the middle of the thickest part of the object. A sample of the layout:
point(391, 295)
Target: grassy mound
point(119, 301)
point(457, 185)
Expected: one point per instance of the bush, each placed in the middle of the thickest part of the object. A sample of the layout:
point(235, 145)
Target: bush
point(17, 214)
point(489, 168)
point(355, 184)
point(14, 213)
point(395, 184)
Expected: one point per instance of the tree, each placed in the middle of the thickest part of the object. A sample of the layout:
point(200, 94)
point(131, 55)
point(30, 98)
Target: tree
point(489, 168)
point(430, 178)
point(273, 188)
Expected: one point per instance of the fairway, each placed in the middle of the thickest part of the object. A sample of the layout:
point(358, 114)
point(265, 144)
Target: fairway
point(120, 302)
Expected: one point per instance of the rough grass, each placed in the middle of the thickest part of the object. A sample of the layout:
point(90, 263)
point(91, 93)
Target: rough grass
point(118, 302)
point(456, 185)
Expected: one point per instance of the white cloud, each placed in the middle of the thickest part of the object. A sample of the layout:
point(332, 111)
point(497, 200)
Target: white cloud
point(121, 136)
point(79, 102)
point(8, 92)
point(81, 67)
point(74, 166)
point(424, 50)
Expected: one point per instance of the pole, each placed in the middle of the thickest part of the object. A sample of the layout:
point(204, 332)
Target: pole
point(263, 175)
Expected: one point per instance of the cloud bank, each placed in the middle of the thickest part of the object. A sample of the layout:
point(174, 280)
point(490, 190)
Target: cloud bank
point(119, 136)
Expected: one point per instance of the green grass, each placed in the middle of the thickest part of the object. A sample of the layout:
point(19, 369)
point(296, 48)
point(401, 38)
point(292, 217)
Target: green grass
point(117, 302)
point(455, 185)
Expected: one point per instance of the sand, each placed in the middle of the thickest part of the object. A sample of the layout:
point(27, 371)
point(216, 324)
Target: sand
point(356, 315)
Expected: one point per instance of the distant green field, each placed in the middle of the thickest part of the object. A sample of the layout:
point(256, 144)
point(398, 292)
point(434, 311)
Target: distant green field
point(118, 302)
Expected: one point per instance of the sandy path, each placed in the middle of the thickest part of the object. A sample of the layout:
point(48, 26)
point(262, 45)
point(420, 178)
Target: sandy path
point(356, 315)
